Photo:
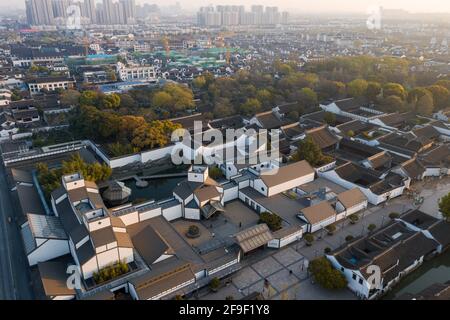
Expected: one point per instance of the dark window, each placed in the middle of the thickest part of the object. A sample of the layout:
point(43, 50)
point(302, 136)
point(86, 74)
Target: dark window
point(360, 281)
point(354, 276)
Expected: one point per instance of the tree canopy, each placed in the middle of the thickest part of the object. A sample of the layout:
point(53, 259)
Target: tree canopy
point(327, 276)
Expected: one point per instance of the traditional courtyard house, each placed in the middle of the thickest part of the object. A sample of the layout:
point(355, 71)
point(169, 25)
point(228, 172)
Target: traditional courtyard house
point(323, 138)
point(395, 249)
point(25, 115)
point(278, 180)
point(350, 202)
point(200, 195)
point(412, 169)
point(431, 227)
point(36, 85)
point(7, 126)
point(437, 161)
point(317, 216)
point(393, 121)
point(44, 238)
point(376, 187)
point(404, 145)
point(93, 240)
point(442, 127)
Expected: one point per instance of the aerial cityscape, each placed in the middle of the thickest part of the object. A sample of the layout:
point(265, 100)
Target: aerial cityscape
point(224, 151)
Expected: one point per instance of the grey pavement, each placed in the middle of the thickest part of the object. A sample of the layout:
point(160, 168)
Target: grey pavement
point(285, 268)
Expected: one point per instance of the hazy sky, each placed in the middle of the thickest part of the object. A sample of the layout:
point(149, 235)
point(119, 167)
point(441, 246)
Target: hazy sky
point(303, 5)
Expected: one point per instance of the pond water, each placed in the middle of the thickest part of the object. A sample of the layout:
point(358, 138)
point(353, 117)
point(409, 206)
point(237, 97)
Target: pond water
point(436, 270)
point(157, 189)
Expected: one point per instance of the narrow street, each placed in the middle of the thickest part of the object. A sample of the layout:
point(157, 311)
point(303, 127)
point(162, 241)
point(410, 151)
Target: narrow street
point(14, 279)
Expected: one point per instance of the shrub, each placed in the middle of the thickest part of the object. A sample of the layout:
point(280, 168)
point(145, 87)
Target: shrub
point(272, 220)
point(214, 284)
point(331, 229)
point(327, 250)
point(349, 238)
point(394, 215)
point(371, 227)
point(309, 238)
point(229, 298)
point(353, 218)
point(111, 272)
point(215, 172)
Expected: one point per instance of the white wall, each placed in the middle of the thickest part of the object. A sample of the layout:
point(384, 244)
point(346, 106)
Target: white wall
point(150, 214)
point(126, 254)
point(130, 218)
point(230, 194)
point(172, 213)
point(50, 249)
point(89, 268)
point(193, 214)
point(107, 258)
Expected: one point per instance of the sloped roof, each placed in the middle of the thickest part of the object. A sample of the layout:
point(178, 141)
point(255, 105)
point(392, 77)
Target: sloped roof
point(254, 237)
point(319, 212)
point(43, 226)
point(54, 277)
point(149, 244)
point(322, 137)
point(286, 173)
point(205, 193)
point(351, 197)
point(413, 168)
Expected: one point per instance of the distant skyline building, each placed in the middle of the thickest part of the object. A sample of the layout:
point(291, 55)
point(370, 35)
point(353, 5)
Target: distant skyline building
point(230, 15)
point(108, 12)
point(39, 12)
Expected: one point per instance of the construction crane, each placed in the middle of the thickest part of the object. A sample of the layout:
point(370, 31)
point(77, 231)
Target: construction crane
point(166, 45)
point(223, 44)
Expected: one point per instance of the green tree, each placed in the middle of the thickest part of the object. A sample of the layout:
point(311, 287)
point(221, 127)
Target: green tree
point(329, 118)
point(425, 104)
point(373, 90)
point(441, 96)
point(250, 107)
point(199, 82)
point(215, 172)
point(307, 97)
point(394, 89)
point(308, 150)
point(272, 220)
point(70, 97)
point(392, 104)
point(371, 227)
point(357, 88)
point(444, 206)
point(89, 98)
point(109, 101)
point(325, 275)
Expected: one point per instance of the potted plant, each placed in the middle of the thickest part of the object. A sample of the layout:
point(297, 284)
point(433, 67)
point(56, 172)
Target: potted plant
point(193, 232)
point(353, 219)
point(394, 215)
point(214, 284)
point(371, 227)
point(309, 238)
point(349, 238)
point(330, 229)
